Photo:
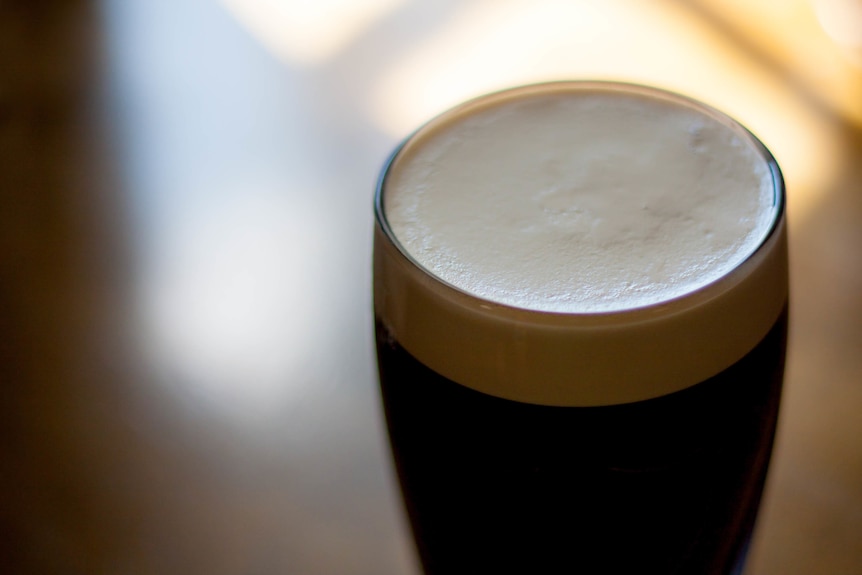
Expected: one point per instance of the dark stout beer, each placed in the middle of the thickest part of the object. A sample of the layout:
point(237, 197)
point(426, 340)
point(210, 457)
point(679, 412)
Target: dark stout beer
point(667, 485)
point(626, 428)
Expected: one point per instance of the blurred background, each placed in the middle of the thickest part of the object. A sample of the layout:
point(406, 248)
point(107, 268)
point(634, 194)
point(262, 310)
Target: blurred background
point(187, 375)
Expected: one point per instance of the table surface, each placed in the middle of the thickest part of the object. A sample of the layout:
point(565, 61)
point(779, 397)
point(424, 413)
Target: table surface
point(186, 364)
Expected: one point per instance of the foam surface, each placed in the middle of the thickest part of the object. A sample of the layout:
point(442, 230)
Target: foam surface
point(580, 244)
point(600, 202)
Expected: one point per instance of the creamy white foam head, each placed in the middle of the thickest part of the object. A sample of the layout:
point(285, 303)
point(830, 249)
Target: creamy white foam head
point(580, 244)
point(580, 201)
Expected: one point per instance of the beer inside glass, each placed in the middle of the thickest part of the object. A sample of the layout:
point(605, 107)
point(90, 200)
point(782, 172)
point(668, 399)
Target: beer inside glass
point(580, 294)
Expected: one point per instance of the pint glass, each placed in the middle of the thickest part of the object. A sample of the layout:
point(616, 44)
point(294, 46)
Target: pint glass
point(580, 295)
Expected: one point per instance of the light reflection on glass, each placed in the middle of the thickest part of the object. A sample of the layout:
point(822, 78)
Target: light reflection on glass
point(842, 20)
point(309, 32)
point(231, 311)
point(227, 187)
point(793, 37)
